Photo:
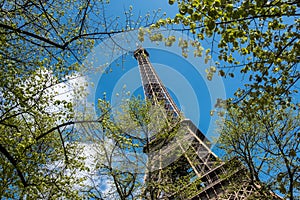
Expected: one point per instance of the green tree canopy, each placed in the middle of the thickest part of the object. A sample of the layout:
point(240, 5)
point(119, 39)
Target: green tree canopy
point(258, 41)
point(42, 46)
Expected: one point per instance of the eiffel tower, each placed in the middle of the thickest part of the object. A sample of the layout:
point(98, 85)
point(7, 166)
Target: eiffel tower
point(195, 171)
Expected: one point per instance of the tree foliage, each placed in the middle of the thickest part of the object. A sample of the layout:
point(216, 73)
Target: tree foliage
point(122, 144)
point(258, 41)
point(123, 134)
point(42, 46)
point(258, 38)
point(267, 142)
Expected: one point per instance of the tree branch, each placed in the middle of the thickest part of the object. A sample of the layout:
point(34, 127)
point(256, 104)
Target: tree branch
point(57, 45)
point(66, 124)
point(14, 163)
point(32, 35)
point(63, 144)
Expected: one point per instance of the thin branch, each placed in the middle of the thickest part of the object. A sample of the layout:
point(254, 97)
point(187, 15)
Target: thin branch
point(10, 125)
point(60, 46)
point(64, 147)
point(238, 20)
point(33, 35)
point(84, 16)
point(66, 124)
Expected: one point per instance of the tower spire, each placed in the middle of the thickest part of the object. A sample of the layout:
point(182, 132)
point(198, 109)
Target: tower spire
point(154, 89)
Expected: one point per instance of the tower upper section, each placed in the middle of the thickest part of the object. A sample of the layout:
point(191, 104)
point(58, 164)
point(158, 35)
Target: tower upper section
point(154, 89)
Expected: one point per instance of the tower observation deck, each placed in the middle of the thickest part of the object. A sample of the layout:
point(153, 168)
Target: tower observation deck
point(195, 172)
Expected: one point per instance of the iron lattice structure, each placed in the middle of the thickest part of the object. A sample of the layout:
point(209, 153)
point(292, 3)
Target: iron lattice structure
point(152, 85)
point(196, 172)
